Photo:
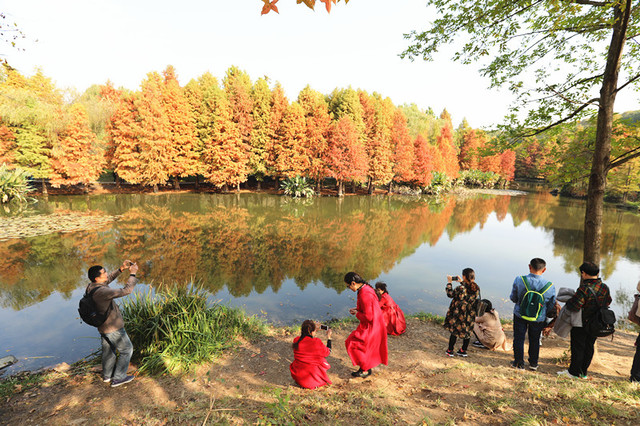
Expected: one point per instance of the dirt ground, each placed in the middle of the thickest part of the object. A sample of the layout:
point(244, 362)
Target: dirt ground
point(252, 385)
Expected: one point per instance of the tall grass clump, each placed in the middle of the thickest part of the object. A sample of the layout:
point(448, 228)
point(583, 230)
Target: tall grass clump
point(14, 185)
point(176, 329)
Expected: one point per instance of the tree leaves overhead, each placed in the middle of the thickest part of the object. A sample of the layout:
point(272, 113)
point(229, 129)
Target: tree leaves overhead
point(311, 4)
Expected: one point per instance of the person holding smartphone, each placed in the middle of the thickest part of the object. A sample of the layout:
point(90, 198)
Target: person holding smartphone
point(116, 345)
point(462, 310)
point(309, 366)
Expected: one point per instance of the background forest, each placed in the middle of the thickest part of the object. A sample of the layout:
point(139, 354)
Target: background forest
point(237, 131)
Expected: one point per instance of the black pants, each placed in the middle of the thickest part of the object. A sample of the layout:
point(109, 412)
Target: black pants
point(635, 367)
point(452, 341)
point(581, 351)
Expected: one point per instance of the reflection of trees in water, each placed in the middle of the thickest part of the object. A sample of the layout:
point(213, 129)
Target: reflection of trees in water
point(255, 242)
point(38, 266)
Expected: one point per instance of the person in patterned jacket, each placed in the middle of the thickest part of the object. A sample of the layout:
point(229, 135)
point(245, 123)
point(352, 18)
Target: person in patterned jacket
point(462, 311)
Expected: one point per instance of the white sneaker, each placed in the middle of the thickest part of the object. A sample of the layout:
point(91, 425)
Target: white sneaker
point(565, 373)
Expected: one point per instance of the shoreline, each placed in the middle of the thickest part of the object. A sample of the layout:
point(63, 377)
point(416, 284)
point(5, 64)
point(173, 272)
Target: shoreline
point(251, 384)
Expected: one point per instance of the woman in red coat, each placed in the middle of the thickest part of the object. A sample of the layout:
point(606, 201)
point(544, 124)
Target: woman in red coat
point(367, 344)
point(309, 366)
point(391, 312)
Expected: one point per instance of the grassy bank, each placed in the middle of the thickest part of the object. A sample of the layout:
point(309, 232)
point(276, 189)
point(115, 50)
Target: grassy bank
point(175, 329)
point(249, 383)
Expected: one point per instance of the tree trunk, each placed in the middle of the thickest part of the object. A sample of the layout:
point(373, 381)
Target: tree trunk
point(197, 182)
point(155, 187)
point(118, 180)
point(259, 182)
point(370, 186)
point(238, 187)
point(602, 150)
point(44, 187)
point(225, 188)
point(176, 184)
point(340, 188)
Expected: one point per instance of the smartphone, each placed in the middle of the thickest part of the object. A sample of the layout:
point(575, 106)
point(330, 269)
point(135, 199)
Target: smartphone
point(454, 278)
point(324, 327)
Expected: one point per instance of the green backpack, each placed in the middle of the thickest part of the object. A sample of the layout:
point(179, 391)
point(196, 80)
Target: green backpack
point(532, 301)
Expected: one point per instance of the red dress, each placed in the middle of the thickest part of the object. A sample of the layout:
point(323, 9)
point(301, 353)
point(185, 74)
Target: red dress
point(367, 344)
point(393, 315)
point(309, 367)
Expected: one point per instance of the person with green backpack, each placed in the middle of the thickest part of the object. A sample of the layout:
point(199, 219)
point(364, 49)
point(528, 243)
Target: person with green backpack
point(533, 296)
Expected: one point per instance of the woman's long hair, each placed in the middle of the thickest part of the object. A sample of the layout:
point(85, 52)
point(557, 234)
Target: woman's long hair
point(307, 327)
point(470, 275)
point(382, 286)
point(352, 276)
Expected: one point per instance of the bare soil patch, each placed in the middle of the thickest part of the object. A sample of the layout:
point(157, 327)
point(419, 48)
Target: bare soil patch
point(421, 385)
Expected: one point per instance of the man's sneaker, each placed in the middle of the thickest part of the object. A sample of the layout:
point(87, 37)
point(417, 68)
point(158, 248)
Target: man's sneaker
point(461, 353)
point(584, 376)
point(127, 379)
point(478, 344)
point(449, 353)
point(106, 379)
point(565, 373)
point(516, 366)
point(533, 367)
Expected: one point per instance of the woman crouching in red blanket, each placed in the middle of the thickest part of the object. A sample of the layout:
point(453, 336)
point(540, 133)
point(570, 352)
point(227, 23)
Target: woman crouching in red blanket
point(391, 312)
point(367, 344)
point(309, 367)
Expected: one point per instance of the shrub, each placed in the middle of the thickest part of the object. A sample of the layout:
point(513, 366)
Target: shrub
point(13, 185)
point(175, 329)
point(477, 178)
point(439, 183)
point(297, 187)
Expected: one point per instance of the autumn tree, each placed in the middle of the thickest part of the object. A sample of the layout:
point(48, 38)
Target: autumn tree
point(76, 157)
point(317, 122)
point(110, 98)
point(446, 148)
point(183, 155)
point(290, 153)
point(225, 157)
point(7, 145)
point(261, 134)
point(584, 45)
point(423, 161)
point(346, 156)
point(279, 104)
point(403, 168)
point(237, 86)
point(471, 143)
point(378, 118)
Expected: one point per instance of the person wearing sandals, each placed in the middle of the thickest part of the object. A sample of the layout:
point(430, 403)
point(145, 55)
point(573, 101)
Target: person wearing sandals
point(461, 315)
point(367, 344)
point(309, 366)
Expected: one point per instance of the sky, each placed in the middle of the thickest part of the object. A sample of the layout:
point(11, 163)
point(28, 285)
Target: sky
point(85, 42)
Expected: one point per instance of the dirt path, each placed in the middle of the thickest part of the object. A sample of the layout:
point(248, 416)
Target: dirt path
point(421, 385)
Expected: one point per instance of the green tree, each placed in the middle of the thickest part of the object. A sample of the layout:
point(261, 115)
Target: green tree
point(582, 41)
point(261, 134)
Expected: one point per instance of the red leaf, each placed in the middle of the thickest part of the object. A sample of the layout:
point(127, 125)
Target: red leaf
point(269, 6)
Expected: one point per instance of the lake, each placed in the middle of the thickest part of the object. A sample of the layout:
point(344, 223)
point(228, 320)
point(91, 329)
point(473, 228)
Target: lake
point(284, 259)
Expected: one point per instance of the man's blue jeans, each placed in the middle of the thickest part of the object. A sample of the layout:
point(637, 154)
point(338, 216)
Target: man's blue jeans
point(116, 354)
point(520, 328)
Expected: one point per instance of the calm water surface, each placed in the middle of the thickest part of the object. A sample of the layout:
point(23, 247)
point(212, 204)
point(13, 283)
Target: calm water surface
point(284, 259)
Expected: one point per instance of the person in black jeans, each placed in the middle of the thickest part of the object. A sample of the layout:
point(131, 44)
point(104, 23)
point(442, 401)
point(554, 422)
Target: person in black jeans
point(582, 343)
point(635, 318)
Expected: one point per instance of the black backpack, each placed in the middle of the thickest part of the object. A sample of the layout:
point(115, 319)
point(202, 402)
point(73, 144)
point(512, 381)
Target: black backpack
point(602, 323)
point(89, 311)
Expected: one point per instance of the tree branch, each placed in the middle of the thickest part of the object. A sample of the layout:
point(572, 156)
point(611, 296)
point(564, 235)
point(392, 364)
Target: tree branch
point(627, 83)
point(567, 118)
point(624, 158)
point(593, 2)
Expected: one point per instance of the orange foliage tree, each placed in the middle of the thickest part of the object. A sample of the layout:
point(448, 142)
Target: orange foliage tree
point(378, 119)
point(404, 148)
point(261, 133)
point(447, 149)
point(291, 150)
point(423, 161)
point(7, 145)
point(76, 158)
point(183, 155)
point(317, 119)
point(471, 144)
point(346, 157)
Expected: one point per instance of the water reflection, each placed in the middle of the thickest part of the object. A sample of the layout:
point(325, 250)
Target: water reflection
point(288, 257)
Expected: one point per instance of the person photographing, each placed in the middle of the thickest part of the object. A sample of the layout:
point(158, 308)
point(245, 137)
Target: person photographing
point(309, 366)
point(462, 310)
point(116, 345)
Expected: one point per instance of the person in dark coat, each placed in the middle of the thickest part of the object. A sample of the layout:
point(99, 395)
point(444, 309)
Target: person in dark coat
point(462, 310)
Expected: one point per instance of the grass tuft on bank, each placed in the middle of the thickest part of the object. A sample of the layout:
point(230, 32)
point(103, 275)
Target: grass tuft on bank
point(176, 329)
